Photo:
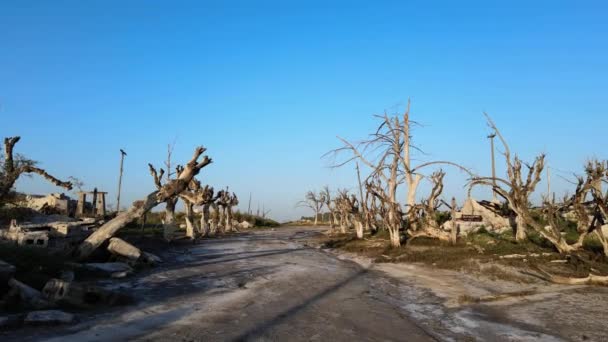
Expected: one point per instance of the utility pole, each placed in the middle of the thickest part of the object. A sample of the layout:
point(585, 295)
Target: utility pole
point(249, 206)
point(122, 159)
point(491, 137)
point(548, 181)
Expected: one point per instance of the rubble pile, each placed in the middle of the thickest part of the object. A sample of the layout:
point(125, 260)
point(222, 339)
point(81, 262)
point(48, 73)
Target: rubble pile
point(72, 288)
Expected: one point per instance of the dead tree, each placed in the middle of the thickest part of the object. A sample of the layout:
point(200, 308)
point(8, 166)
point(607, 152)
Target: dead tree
point(600, 200)
point(191, 197)
point(394, 167)
point(169, 190)
point(592, 215)
point(200, 196)
point(223, 200)
point(214, 217)
point(350, 209)
point(326, 194)
point(12, 166)
point(169, 225)
point(315, 202)
point(231, 201)
point(516, 192)
point(343, 208)
point(371, 213)
point(516, 189)
point(426, 224)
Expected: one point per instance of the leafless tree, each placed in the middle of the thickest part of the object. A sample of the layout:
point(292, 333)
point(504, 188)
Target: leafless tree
point(231, 200)
point(326, 194)
point(315, 202)
point(426, 224)
point(590, 215)
point(516, 189)
point(350, 211)
point(392, 169)
point(12, 166)
point(169, 225)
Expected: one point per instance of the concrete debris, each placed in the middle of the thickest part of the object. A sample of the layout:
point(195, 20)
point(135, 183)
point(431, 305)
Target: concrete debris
point(51, 204)
point(57, 232)
point(245, 225)
point(79, 295)
point(95, 208)
point(28, 296)
point(49, 317)
point(473, 216)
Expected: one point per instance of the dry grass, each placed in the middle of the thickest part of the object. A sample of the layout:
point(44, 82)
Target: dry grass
point(479, 253)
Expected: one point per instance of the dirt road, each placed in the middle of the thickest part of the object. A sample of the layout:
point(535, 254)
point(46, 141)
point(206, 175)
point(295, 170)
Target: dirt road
point(271, 285)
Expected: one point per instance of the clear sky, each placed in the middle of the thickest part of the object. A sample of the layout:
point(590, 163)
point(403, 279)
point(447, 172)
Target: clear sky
point(267, 86)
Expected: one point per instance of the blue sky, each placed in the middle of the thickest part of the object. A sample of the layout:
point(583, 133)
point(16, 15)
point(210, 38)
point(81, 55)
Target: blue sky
point(267, 86)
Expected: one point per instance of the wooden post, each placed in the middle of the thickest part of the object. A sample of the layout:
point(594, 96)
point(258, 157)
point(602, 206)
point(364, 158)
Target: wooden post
point(94, 203)
point(122, 158)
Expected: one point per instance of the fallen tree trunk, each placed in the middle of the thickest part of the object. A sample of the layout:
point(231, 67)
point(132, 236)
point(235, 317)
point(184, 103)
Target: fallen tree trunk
point(124, 249)
point(110, 228)
point(591, 279)
point(167, 191)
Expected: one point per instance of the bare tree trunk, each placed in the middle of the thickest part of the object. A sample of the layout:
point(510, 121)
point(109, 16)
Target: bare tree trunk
point(316, 218)
point(358, 227)
point(394, 237)
point(520, 229)
point(190, 227)
point(205, 221)
point(222, 219)
point(215, 217)
point(169, 226)
point(343, 224)
point(229, 226)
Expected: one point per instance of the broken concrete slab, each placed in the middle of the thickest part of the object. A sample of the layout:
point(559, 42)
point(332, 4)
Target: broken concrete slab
point(81, 295)
point(488, 219)
point(245, 225)
point(49, 317)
